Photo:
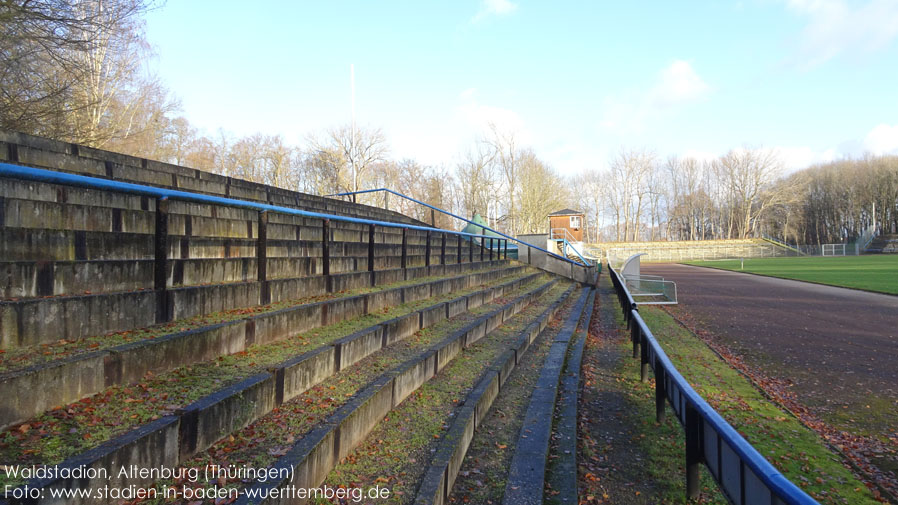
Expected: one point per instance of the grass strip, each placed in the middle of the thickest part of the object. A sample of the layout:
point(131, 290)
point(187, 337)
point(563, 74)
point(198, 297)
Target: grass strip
point(878, 273)
point(624, 456)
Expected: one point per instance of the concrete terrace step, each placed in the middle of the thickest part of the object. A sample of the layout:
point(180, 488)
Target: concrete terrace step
point(225, 222)
point(200, 424)
point(485, 473)
point(41, 244)
point(331, 444)
point(42, 320)
point(54, 155)
point(526, 474)
point(561, 471)
point(437, 481)
point(87, 369)
point(195, 262)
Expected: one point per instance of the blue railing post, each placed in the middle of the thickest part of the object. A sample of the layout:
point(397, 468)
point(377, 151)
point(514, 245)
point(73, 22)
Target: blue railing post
point(404, 263)
point(160, 262)
point(693, 426)
point(660, 390)
point(427, 251)
point(371, 249)
point(325, 247)
point(262, 258)
point(644, 357)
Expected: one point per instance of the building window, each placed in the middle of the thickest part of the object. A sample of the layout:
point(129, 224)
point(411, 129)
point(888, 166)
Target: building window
point(575, 222)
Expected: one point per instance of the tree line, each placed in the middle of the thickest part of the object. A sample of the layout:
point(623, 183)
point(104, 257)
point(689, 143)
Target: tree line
point(742, 194)
point(74, 70)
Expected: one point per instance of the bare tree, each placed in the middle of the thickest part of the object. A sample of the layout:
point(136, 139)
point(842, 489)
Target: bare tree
point(350, 151)
point(749, 175)
point(477, 180)
point(73, 71)
point(541, 192)
point(281, 165)
point(507, 155)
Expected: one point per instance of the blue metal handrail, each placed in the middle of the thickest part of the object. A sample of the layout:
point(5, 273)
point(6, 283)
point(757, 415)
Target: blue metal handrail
point(53, 177)
point(567, 245)
point(682, 398)
point(387, 190)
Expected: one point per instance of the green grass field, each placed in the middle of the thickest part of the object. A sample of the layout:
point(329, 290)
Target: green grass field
point(871, 273)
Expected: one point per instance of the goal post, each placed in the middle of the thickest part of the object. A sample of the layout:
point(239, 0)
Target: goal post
point(833, 250)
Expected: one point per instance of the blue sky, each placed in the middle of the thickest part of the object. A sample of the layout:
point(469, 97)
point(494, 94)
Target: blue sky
point(577, 81)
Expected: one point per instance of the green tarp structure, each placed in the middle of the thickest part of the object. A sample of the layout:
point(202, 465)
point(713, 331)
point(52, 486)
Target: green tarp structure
point(478, 230)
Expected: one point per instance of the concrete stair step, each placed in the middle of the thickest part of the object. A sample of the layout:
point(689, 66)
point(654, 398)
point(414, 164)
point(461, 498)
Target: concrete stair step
point(203, 422)
point(63, 374)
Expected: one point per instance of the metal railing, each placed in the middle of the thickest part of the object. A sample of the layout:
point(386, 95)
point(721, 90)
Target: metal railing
point(561, 233)
point(740, 470)
point(161, 242)
point(782, 243)
point(564, 237)
point(483, 227)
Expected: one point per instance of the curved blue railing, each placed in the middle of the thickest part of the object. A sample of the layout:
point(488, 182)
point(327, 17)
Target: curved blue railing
point(742, 473)
point(487, 228)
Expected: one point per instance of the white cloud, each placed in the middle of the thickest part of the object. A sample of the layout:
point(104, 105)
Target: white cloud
point(792, 157)
point(835, 27)
point(883, 139)
point(699, 155)
point(677, 84)
point(494, 8)
point(797, 157)
point(478, 117)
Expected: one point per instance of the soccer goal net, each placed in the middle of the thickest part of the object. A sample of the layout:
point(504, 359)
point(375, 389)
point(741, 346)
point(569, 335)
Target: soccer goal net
point(833, 249)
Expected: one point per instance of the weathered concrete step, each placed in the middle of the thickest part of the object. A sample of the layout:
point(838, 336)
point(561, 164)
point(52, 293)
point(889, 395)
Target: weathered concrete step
point(87, 161)
point(210, 414)
point(54, 193)
point(44, 244)
point(526, 475)
point(319, 450)
point(232, 408)
point(63, 381)
point(439, 478)
point(23, 213)
point(561, 473)
point(40, 320)
point(41, 278)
